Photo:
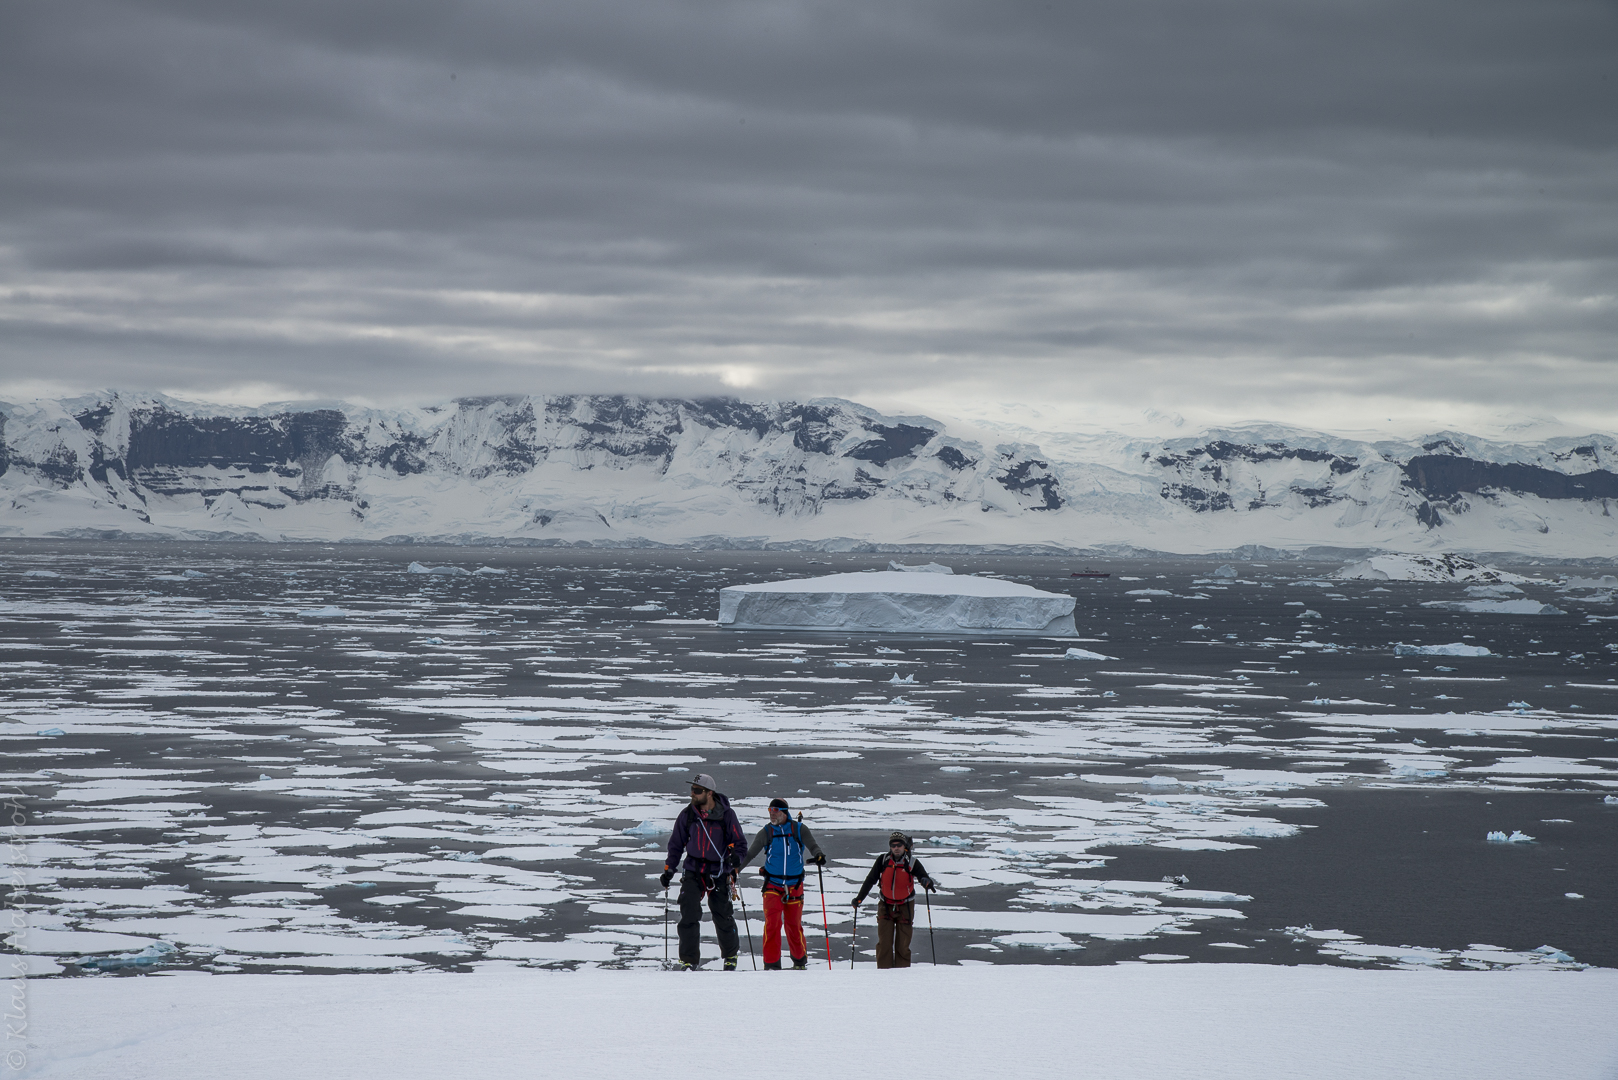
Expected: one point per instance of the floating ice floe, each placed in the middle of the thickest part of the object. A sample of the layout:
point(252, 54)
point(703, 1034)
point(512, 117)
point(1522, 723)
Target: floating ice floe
point(1049, 940)
point(924, 568)
point(646, 828)
point(441, 571)
point(488, 570)
point(898, 602)
point(41, 573)
point(1448, 567)
point(1495, 607)
point(1611, 800)
point(1455, 648)
point(1493, 592)
point(896, 681)
point(323, 613)
point(949, 841)
point(1517, 837)
point(1084, 654)
point(157, 952)
point(1226, 571)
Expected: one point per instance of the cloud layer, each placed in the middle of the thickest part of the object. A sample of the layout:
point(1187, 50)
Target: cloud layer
point(1329, 212)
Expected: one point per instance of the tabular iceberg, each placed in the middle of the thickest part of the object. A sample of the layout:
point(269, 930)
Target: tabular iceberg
point(896, 602)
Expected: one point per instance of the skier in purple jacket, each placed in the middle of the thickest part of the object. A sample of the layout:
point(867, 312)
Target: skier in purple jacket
point(710, 837)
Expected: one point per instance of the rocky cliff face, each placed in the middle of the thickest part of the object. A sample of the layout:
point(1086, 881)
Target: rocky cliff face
point(627, 470)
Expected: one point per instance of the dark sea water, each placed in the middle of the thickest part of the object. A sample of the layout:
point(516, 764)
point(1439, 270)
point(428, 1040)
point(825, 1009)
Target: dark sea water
point(311, 759)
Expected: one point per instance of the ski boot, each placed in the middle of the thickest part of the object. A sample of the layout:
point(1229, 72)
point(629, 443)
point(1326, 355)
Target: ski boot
point(730, 963)
point(772, 967)
point(800, 964)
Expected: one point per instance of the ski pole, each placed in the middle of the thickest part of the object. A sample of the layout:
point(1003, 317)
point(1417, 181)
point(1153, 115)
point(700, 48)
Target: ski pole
point(854, 938)
point(825, 920)
point(737, 893)
point(932, 940)
point(665, 927)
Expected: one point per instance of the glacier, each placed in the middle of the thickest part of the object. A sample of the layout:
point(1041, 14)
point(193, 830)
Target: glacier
point(826, 474)
point(891, 601)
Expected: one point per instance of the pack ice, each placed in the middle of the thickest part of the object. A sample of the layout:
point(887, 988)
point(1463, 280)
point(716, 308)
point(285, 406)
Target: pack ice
point(889, 601)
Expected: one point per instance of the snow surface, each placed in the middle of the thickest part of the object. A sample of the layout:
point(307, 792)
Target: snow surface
point(1152, 1022)
point(898, 602)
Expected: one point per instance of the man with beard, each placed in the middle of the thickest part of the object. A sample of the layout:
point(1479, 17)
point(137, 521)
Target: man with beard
point(710, 837)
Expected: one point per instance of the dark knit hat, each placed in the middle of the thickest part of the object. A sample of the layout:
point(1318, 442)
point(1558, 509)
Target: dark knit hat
point(901, 837)
point(779, 804)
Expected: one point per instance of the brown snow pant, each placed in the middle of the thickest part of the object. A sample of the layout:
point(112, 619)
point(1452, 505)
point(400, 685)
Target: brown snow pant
point(894, 923)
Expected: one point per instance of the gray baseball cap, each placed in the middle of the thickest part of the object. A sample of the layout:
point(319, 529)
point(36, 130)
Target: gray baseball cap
point(702, 779)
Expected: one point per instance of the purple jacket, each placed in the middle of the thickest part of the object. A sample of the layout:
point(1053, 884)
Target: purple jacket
point(712, 843)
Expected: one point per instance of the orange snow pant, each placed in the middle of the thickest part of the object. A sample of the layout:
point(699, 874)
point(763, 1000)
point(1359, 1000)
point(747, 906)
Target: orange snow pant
point(783, 904)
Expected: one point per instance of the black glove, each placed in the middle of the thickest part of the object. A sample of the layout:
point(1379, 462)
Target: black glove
point(819, 860)
point(666, 877)
point(929, 884)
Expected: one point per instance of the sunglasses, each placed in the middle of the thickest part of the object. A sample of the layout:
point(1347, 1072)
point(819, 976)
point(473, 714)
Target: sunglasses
point(699, 790)
point(895, 843)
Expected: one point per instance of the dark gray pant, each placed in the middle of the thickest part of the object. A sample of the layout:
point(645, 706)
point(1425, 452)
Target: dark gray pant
point(724, 917)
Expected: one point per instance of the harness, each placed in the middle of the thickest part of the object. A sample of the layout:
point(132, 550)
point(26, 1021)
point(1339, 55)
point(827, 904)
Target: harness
point(701, 847)
point(783, 862)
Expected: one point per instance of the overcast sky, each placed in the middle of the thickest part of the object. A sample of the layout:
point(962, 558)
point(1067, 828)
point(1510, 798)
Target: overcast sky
point(1341, 214)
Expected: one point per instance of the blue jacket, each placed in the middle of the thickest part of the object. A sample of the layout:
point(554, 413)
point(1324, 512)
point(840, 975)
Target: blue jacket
point(712, 843)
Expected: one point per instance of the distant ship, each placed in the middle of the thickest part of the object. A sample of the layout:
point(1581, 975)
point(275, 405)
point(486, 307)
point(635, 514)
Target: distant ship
point(1091, 573)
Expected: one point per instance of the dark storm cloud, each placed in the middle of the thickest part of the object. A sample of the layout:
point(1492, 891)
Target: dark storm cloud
point(1255, 207)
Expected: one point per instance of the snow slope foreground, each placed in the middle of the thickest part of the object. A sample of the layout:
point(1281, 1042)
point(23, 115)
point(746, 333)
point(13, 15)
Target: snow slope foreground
point(900, 602)
point(1153, 1023)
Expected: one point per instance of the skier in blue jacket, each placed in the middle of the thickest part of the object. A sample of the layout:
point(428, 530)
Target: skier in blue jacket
point(783, 841)
point(710, 837)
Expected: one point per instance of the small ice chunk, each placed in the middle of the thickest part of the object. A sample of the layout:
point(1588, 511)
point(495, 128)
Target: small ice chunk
point(646, 828)
point(896, 681)
point(949, 841)
point(1226, 571)
point(192, 573)
point(52, 732)
point(1494, 607)
point(1047, 940)
point(1494, 591)
point(155, 953)
point(1611, 800)
point(434, 641)
point(1552, 953)
point(954, 768)
point(1084, 654)
point(1455, 648)
point(897, 602)
point(323, 613)
point(488, 570)
point(438, 571)
point(1517, 836)
point(40, 573)
point(923, 568)
point(1574, 895)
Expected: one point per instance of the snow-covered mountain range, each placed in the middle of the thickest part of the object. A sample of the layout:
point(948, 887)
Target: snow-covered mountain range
point(826, 472)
